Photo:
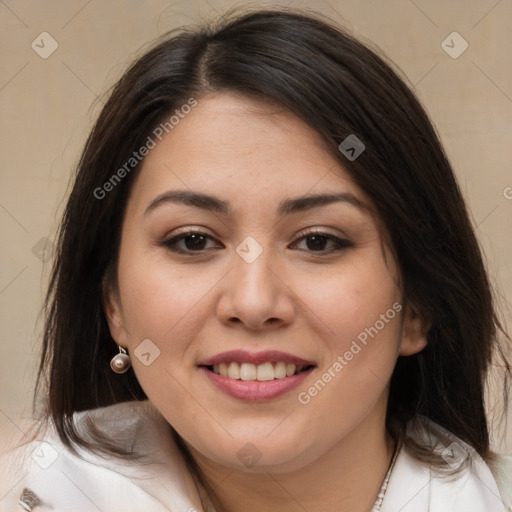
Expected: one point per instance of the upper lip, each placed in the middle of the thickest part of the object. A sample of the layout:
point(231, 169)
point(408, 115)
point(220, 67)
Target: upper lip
point(243, 356)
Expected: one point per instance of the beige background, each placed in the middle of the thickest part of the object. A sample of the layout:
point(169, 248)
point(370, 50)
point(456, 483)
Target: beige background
point(47, 106)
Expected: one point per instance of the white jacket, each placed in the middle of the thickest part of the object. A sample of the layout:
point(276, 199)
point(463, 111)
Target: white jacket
point(63, 482)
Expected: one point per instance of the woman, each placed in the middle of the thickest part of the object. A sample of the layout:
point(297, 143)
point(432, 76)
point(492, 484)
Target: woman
point(265, 228)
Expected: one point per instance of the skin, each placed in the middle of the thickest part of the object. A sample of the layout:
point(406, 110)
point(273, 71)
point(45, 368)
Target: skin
point(332, 453)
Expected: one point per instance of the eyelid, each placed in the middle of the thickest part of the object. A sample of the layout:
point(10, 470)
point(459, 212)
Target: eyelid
point(320, 231)
point(201, 230)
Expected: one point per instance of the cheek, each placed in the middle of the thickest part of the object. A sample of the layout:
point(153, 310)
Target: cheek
point(159, 297)
point(360, 310)
point(351, 299)
point(166, 304)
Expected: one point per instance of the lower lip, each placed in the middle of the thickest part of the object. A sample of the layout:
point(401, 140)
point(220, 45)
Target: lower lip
point(254, 390)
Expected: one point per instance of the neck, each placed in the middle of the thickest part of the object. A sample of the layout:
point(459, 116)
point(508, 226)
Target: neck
point(347, 477)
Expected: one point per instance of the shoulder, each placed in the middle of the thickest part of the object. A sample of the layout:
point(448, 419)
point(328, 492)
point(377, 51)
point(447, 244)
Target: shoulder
point(47, 471)
point(416, 486)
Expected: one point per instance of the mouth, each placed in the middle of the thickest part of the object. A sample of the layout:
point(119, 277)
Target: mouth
point(270, 370)
point(257, 376)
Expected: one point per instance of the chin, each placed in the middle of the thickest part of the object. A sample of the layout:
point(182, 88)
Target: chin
point(261, 454)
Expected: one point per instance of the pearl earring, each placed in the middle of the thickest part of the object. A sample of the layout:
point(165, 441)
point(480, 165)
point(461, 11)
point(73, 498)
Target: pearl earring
point(120, 363)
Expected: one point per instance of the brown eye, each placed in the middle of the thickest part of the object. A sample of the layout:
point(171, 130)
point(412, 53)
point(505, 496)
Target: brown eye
point(317, 241)
point(197, 242)
point(193, 241)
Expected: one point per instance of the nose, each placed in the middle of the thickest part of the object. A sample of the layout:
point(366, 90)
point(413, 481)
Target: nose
point(255, 295)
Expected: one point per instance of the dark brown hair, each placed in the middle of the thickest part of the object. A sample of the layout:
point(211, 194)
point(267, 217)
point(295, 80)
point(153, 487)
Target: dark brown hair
point(338, 86)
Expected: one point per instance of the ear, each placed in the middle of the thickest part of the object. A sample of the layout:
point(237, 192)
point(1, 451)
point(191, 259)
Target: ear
point(113, 312)
point(414, 332)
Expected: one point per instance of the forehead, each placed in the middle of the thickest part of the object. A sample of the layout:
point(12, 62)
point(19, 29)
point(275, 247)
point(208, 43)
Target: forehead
point(232, 145)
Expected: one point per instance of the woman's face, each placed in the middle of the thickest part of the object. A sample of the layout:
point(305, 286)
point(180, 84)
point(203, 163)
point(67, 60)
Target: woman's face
point(276, 282)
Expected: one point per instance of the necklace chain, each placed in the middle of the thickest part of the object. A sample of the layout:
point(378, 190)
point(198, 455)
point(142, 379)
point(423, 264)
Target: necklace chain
point(380, 497)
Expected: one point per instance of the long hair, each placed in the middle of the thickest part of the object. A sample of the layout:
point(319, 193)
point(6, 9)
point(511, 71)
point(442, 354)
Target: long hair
point(338, 86)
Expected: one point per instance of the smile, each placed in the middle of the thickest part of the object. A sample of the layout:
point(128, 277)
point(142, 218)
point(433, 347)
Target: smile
point(257, 372)
point(256, 376)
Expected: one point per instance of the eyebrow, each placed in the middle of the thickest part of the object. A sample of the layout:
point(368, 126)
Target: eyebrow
point(286, 207)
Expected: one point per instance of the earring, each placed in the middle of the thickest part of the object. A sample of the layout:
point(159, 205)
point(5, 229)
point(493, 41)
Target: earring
point(120, 363)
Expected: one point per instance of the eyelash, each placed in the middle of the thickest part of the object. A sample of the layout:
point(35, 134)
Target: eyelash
point(340, 243)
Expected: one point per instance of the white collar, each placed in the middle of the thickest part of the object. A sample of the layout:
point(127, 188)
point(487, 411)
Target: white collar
point(416, 487)
point(163, 483)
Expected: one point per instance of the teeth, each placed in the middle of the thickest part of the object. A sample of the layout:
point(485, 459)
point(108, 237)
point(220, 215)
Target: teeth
point(260, 372)
point(264, 371)
point(248, 371)
point(280, 370)
point(233, 371)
